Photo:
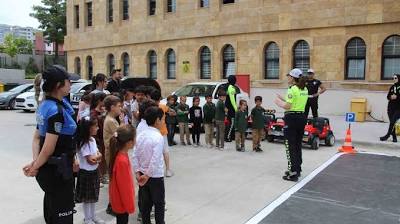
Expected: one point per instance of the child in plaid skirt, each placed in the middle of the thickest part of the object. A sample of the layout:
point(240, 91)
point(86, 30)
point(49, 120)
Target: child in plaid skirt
point(88, 184)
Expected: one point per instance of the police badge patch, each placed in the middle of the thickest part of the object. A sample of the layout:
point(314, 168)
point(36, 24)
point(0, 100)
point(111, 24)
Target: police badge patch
point(58, 127)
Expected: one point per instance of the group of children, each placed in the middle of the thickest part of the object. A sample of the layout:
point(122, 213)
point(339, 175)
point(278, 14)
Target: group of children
point(211, 116)
point(108, 128)
point(111, 125)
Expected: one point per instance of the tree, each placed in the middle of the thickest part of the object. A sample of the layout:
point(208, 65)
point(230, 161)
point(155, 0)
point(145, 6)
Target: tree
point(52, 19)
point(13, 46)
point(24, 46)
point(9, 45)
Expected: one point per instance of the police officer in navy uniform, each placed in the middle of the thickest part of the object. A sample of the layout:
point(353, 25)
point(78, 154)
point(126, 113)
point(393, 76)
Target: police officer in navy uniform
point(315, 88)
point(54, 147)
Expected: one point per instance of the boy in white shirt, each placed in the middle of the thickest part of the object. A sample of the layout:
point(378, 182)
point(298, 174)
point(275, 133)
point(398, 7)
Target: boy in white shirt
point(148, 164)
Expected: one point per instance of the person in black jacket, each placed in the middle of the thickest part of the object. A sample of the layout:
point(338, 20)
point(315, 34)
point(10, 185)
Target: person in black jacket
point(114, 84)
point(196, 118)
point(393, 108)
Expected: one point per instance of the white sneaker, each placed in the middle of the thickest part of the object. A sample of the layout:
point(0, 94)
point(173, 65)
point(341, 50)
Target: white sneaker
point(169, 173)
point(98, 221)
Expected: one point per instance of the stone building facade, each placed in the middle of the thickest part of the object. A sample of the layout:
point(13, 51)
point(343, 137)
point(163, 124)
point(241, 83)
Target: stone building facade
point(351, 44)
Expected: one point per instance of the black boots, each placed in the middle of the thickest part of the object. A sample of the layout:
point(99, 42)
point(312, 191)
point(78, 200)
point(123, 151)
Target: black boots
point(386, 137)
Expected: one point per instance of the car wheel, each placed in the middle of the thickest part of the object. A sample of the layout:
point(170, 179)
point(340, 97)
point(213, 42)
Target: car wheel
point(25, 110)
point(11, 105)
point(330, 140)
point(315, 143)
point(270, 138)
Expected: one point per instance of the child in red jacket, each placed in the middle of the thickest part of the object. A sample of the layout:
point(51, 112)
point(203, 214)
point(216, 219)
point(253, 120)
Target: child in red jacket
point(121, 191)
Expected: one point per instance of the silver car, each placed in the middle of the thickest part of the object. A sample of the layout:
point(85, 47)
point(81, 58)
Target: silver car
point(7, 99)
point(203, 89)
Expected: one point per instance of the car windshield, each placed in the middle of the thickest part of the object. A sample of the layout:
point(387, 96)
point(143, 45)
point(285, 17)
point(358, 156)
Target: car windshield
point(18, 89)
point(76, 87)
point(195, 90)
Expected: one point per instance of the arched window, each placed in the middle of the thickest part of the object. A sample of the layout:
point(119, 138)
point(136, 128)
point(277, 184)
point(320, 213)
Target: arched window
point(228, 60)
point(77, 66)
point(355, 58)
point(205, 63)
point(171, 64)
point(125, 61)
point(301, 59)
point(391, 57)
point(152, 57)
point(272, 61)
point(110, 63)
point(89, 67)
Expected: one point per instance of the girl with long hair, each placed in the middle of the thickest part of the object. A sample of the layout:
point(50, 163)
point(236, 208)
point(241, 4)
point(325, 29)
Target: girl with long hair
point(121, 191)
point(88, 184)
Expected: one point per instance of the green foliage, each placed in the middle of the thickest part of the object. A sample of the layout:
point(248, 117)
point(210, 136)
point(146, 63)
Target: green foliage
point(24, 46)
point(13, 46)
point(52, 19)
point(9, 45)
point(31, 69)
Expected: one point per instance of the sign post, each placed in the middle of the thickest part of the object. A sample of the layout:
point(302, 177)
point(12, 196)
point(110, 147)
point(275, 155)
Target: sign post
point(350, 118)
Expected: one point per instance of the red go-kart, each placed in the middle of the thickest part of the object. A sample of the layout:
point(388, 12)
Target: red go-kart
point(316, 130)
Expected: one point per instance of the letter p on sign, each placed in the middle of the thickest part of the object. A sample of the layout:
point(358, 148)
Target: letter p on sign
point(350, 117)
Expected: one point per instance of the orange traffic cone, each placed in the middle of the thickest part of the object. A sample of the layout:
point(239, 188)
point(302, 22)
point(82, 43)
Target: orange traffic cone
point(347, 146)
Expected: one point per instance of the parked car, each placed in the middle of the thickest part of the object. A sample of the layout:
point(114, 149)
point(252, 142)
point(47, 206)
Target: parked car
point(7, 99)
point(26, 101)
point(202, 89)
point(77, 90)
point(132, 83)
